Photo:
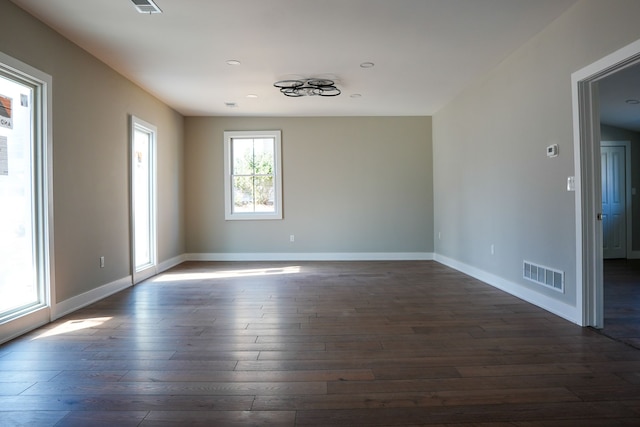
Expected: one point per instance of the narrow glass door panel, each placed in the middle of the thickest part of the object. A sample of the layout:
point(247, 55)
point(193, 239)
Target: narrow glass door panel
point(142, 196)
point(19, 278)
point(143, 199)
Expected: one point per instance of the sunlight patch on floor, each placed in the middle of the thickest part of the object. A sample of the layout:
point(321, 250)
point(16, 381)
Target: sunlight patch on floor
point(73, 325)
point(227, 274)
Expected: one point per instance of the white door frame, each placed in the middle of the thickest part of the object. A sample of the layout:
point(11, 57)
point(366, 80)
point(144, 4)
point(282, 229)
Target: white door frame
point(586, 134)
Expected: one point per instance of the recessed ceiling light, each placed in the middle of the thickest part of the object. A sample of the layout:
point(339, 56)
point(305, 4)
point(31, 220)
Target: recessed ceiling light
point(356, 95)
point(252, 95)
point(367, 65)
point(233, 62)
point(632, 101)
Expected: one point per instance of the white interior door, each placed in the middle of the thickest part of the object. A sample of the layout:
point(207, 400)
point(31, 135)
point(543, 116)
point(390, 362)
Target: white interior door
point(614, 229)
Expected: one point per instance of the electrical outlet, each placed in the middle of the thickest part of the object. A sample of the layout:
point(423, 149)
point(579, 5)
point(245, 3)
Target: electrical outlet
point(101, 262)
point(493, 249)
point(292, 238)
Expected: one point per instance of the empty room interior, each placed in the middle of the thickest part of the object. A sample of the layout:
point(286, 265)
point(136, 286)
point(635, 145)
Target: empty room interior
point(302, 213)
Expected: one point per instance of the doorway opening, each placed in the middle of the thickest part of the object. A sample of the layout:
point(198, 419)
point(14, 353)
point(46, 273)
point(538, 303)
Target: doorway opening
point(589, 185)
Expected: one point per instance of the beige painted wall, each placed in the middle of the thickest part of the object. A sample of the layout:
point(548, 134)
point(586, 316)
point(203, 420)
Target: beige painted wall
point(493, 183)
point(351, 184)
point(91, 107)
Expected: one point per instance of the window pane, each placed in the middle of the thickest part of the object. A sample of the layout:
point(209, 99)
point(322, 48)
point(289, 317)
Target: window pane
point(142, 198)
point(264, 190)
point(263, 156)
point(242, 156)
point(243, 194)
point(253, 185)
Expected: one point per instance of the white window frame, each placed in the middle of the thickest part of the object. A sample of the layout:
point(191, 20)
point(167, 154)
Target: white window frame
point(229, 136)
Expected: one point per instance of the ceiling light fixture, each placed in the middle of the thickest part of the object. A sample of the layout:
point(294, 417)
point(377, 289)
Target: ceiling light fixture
point(367, 65)
point(632, 101)
point(233, 62)
point(308, 87)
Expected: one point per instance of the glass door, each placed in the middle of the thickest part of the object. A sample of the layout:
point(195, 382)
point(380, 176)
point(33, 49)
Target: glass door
point(143, 137)
point(24, 276)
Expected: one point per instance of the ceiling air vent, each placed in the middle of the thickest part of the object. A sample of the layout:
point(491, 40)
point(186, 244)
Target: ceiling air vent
point(146, 6)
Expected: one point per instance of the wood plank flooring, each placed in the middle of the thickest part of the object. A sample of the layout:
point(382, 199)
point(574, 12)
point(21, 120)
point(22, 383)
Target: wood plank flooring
point(622, 300)
point(317, 344)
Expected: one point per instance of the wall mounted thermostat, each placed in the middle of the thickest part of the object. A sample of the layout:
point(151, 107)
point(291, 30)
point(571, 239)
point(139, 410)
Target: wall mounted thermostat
point(552, 150)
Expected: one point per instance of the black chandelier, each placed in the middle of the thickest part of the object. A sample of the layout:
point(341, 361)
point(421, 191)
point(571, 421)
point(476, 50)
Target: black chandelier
point(308, 87)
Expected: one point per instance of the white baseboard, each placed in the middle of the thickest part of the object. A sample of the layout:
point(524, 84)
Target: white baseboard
point(75, 303)
point(554, 306)
point(312, 256)
point(171, 262)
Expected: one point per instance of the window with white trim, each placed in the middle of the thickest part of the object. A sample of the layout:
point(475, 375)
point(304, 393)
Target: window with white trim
point(252, 175)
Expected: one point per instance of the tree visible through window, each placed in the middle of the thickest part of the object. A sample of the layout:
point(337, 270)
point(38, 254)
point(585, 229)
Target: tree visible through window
point(252, 175)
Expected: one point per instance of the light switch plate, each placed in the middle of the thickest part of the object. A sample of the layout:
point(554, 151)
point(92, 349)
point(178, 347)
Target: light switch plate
point(571, 183)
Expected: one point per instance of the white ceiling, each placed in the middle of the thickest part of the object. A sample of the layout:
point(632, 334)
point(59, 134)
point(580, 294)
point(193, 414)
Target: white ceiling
point(425, 51)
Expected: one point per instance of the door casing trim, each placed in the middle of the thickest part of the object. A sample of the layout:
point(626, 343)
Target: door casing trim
point(588, 194)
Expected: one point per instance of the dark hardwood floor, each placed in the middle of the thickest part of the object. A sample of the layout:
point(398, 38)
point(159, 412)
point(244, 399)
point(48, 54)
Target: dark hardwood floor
point(622, 300)
point(317, 344)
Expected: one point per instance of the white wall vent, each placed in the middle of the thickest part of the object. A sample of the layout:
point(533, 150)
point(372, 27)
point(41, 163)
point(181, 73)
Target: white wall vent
point(542, 275)
point(146, 6)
